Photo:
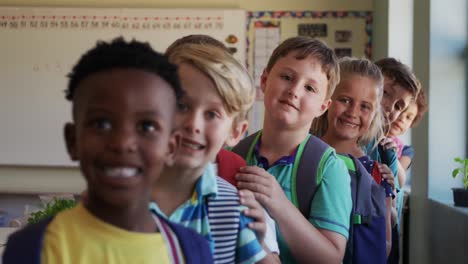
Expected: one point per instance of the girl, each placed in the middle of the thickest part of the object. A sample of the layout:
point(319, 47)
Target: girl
point(354, 119)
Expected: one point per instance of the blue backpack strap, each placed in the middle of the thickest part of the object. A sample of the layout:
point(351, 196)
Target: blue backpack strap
point(307, 172)
point(195, 248)
point(245, 147)
point(224, 219)
point(29, 238)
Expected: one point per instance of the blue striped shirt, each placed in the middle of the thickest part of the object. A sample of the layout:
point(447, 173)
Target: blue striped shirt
point(194, 214)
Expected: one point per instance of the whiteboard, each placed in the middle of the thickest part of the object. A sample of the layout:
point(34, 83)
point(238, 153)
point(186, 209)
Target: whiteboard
point(40, 45)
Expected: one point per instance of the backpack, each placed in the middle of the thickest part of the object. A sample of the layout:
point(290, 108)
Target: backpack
point(310, 156)
point(367, 236)
point(364, 244)
point(30, 238)
point(224, 220)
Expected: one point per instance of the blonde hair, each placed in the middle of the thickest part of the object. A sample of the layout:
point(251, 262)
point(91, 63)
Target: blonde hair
point(231, 79)
point(307, 46)
point(364, 68)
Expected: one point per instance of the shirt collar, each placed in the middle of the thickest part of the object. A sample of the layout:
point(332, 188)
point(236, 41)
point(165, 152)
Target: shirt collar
point(285, 160)
point(205, 186)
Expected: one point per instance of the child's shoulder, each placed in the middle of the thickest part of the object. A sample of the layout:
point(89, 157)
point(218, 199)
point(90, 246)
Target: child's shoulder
point(30, 237)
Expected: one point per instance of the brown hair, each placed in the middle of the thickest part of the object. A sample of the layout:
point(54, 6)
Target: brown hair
point(304, 47)
point(423, 105)
point(400, 74)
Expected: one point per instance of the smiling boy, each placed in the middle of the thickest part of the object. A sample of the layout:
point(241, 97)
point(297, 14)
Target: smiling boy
point(297, 83)
point(123, 104)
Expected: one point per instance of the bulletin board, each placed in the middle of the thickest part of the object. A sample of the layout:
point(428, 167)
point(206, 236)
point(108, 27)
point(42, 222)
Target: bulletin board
point(39, 46)
point(347, 32)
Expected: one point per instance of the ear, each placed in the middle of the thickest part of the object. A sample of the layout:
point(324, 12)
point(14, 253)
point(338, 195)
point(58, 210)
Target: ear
point(237, 131)
point(324, 107)
point(69, 132)
point(174, 142)
point(263, 80)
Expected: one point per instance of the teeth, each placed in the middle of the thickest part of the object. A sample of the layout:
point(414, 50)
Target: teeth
point(125, 172)
point(349, 124)
point(192, 145)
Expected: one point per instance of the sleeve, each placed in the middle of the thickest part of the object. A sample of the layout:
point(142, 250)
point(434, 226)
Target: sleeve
point(408, 151)
point(332, 204)
point(248, 249)
point(270, 235)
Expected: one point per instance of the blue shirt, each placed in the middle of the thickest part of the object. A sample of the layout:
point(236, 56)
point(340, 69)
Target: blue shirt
point(332, 203)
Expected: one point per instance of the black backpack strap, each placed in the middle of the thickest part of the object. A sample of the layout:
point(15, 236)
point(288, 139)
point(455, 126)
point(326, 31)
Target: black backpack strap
point(245, 145)
point(29, 238)
point(308, 176)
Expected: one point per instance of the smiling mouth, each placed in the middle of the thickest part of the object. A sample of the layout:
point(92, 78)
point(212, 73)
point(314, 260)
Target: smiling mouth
point(347, 123)
point(190, 144)
point(121, 172)
point(288, 104)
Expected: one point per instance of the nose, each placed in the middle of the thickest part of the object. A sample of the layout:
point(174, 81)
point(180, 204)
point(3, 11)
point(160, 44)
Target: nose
point(352, 110)
point(123, 140)
point(192, 122)
point(294, 90)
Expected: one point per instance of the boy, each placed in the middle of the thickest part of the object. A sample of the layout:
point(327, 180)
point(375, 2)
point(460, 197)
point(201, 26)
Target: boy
point(123, 104)
point(211, 114)
point(297, 84)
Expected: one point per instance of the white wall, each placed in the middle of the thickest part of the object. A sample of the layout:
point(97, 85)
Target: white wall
point(447, 101)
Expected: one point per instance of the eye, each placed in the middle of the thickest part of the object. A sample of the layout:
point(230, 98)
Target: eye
point(366, 107)
point(182, 107)
point(310, 88)
point(147, 126)
point(102, 124)
point(385, 93)
point(399, 106)
point(344, 100)
point(286, 77)
point(211, 115)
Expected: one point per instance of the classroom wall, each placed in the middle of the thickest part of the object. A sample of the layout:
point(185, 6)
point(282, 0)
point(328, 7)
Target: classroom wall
point(46, 179)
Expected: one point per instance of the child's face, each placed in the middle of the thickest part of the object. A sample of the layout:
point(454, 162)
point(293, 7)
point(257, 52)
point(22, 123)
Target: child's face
point(122, 135)
point(202, 118)
point(295, 91)
point(395, 100)
point(404, 121)
point(353, 107)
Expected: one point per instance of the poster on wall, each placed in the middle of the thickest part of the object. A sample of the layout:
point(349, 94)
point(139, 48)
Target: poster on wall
point(312, 30)
point(343, 36)
point(354, 38)
point(267, 37)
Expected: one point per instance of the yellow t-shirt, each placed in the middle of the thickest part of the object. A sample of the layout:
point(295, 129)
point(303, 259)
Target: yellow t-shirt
point(76, 236)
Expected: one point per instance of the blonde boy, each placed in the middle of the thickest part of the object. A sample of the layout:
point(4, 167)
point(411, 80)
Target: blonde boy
point(298, 82)
point(212, 113)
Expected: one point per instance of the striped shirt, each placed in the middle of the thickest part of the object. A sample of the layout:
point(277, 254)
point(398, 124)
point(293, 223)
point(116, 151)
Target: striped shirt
point(194, 214)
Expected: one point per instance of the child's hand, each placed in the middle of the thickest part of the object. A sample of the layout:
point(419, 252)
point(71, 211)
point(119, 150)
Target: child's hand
point(387, 174)
point(389, 143)
point(255, 211)
point(264, 186)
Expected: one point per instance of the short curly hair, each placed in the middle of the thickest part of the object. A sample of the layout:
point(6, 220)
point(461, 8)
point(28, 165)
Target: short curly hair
point(119, 54)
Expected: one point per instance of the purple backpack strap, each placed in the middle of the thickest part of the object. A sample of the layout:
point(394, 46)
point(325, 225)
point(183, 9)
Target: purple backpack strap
point(29, 239)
